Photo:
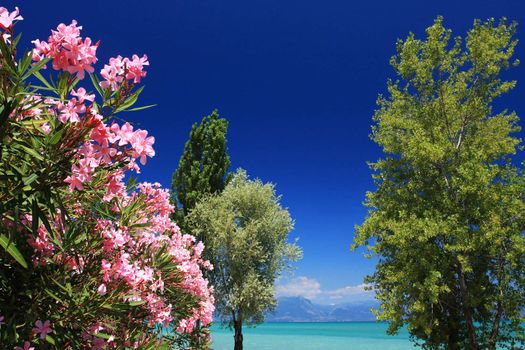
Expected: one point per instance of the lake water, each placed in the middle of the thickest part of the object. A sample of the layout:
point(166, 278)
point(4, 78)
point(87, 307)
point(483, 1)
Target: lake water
point(314, 336)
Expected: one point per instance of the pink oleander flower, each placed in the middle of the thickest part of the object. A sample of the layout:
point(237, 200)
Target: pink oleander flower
point(42, 328)
point(68, 51)
point(27, 346)
point(69, 112)
point(142, 145)
point(6, 18)
point(74, 183)
point(125, 133)
point(102, 289)
point(112, 73)
point(120, 69)
point(82, 95)
point(42, 245)
point(135, 67)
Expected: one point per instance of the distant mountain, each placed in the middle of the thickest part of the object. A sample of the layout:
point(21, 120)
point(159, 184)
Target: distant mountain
point(299, 309)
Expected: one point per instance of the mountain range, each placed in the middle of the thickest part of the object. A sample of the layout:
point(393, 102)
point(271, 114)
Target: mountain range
point(300, 309)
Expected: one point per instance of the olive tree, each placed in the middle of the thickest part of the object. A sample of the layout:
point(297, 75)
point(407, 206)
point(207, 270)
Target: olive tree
point(246, 230)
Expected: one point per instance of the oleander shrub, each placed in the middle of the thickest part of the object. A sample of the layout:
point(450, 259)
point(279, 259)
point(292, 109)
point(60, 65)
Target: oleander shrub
point(89, 259)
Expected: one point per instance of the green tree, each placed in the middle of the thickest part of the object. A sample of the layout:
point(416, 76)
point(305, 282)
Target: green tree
point(246, 232)
point(447, 216)
point(203, 165)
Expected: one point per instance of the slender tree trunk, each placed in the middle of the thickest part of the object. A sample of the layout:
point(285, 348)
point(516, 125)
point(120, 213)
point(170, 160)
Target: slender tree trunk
point(452, 332)
point(452, 340)
point(499, 310)
point(495, 327)
point(467, 309)
point(238, 335)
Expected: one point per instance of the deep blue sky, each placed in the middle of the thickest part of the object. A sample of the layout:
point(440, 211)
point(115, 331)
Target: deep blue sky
point(298, 82)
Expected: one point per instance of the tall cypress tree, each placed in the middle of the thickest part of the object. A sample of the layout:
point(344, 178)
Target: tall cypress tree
point(203, 165)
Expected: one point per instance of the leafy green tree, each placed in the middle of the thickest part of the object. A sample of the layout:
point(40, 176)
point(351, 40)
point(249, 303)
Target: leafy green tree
point(447, 216)
point(203, 165)
point(246, 232)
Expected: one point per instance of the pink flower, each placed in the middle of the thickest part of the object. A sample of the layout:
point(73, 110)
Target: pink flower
point(2, 321)
point(74, 183)
point(112, 73)
point(120, 68)
point(135, 67)
point(102, 289)
point(125, 134)
point(42, 328)
point(41, 50)
point(41, 245)
point(81, 173)
point(6, 18)
point(142, 145)
point(68, 50)
point(82, 95)
point(27, 346)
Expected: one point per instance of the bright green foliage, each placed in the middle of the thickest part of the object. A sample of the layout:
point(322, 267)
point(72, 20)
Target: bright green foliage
point(448, 215)
point(246, 231)
point(203, 165)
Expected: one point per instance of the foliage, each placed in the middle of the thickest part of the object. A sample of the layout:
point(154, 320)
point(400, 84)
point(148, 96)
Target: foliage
point(246, 229)
point(86, 260)
point(447, 217)
point(203, 165)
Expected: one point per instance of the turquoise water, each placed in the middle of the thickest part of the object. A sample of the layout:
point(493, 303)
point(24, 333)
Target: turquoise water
point(314, 336)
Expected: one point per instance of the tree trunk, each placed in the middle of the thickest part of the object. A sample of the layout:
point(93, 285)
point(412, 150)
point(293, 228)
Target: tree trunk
point(452, 341)
point(467, 309)
point(495, 327)
point(452, 333)
point(238, 335)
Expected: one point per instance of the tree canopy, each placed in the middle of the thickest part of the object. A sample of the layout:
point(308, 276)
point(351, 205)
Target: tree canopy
point(246, 231)
point(447, 216)
point(203, 164)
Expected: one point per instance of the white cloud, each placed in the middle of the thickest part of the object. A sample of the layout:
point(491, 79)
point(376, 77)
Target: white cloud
point(349, 292)
point(311, 289)
point(300, 286)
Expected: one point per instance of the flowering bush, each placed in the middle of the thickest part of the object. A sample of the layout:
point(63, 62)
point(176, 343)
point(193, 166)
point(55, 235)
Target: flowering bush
point(87, 261)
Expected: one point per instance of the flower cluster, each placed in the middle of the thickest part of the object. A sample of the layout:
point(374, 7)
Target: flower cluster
point(68, 50)
point(121, 69)
point(124, 262)
point(107, 146)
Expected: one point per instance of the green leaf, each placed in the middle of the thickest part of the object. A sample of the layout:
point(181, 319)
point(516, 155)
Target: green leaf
point(31, 152)
point(102, 335)
point(34, 214)
point(24, 62)
point(139, 108)
point(96, 82)
point(35, 68)
point(50, 340)
point(44, 81)
point(54, 296)
point(53, 139)
point(30, 179)
point(11, 248)
point(130, 101)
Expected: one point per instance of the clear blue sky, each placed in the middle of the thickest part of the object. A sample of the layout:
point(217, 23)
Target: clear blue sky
point(298, 82)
